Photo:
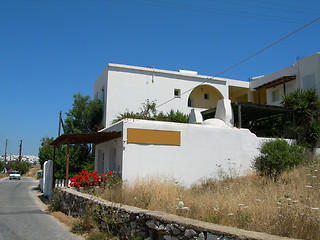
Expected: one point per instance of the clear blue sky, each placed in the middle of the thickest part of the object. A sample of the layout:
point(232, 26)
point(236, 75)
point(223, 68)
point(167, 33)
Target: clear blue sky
point(50, 50)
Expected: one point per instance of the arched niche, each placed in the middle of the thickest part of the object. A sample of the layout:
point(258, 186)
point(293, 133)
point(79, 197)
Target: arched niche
point(204, 96)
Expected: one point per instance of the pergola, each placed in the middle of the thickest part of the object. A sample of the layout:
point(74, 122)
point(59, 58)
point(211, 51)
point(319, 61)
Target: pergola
point(245, 112)
point(279, 81)
point(83, 138)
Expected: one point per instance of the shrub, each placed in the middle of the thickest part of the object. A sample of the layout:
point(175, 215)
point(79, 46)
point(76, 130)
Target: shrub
point(90, 179)
point(149, 112)
point(85, 179)
point(277, 156)
point(21, 166)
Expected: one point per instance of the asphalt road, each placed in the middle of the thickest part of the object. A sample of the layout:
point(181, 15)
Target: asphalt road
point(22, 217)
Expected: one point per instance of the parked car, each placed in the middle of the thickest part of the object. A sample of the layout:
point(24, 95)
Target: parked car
point(14, 175)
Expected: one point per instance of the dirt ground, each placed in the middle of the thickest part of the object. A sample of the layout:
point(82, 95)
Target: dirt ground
point(65, 219)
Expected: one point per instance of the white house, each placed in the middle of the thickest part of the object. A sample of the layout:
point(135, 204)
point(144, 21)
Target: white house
point(123, 87)
point(187, 152)
point(304, 74)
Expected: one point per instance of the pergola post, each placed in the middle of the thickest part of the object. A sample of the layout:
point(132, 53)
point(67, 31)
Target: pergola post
point(53, 165)
point(239, 115)
point(67, 167)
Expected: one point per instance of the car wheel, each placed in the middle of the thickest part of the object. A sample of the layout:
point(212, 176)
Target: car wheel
point(19, 178)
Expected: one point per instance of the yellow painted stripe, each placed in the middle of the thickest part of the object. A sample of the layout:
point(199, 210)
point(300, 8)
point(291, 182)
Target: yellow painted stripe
point(146, 136)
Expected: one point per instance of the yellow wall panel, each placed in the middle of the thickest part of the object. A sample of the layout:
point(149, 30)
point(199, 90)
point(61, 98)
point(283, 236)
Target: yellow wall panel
point(146, 136)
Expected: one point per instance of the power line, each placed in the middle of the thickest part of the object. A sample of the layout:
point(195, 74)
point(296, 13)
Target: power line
point(246, 59)
point(286, 6)
point(215, 10)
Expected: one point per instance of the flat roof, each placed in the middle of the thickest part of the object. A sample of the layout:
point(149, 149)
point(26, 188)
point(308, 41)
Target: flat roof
point(184, 73)
point(84, 138)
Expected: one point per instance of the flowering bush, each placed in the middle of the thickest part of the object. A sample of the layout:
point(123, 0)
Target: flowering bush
point(110, 179)
point(86, 179)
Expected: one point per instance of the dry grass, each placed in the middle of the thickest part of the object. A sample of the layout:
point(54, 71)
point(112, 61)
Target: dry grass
point(33, 171)
point(289, 207)
point(3, 175)
point(67, 220)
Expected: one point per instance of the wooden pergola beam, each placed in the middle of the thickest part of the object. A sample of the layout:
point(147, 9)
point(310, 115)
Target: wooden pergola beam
point(84, 138)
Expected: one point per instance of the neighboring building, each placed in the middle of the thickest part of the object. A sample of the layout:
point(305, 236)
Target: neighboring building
point(304, 74)
point(123, 87)
point(26, 158)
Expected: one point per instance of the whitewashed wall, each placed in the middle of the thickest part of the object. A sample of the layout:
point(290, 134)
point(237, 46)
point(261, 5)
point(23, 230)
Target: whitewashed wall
point(205, 151)
point(103, 158)
point(309, 67)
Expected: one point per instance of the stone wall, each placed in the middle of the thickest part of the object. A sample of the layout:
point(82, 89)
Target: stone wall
point(149, 225)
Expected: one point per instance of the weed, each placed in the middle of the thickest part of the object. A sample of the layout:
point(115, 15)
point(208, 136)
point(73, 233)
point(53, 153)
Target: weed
point(55, 200)
point(84, 224)
point(107, 220)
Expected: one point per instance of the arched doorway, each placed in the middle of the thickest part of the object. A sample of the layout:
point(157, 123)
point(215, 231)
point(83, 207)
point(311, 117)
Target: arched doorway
point(204, 96)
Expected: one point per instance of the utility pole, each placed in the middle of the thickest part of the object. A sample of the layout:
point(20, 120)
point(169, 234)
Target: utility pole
point(20, 151)
point(5, 152)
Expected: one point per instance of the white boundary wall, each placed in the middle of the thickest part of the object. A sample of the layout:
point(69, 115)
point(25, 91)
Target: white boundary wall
point(205, 151)
point(47, 178)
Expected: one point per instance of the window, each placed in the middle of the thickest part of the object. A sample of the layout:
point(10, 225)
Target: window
point(275, 96)
point(190, 104)
point(206, 96)
point(177, 93)
point(102, 163)
point(102, 95)
point(308, 81)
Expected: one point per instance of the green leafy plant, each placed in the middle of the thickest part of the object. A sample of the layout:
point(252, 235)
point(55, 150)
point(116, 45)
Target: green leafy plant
point(305, 106)
point(83, 224)
point(277, 156)
point(148, 111)
point(21, 166)
point(85, 116)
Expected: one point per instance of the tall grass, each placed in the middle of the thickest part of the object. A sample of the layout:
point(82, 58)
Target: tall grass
point(289, 207)
point(33, 171)
point(3, 175)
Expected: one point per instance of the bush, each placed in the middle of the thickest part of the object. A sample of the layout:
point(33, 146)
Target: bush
point(149, 112)
point(277, 156)
point(21, 166)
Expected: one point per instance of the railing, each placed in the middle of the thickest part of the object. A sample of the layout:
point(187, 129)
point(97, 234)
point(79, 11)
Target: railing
point(60, 182)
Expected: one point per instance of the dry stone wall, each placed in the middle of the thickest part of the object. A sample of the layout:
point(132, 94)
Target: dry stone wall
point(128, 221)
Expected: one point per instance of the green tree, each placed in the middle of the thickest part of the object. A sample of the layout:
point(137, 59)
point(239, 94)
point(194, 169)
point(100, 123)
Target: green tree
point(277, 156)
point(84, 117)
point(21, 166)
point(306, 109)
